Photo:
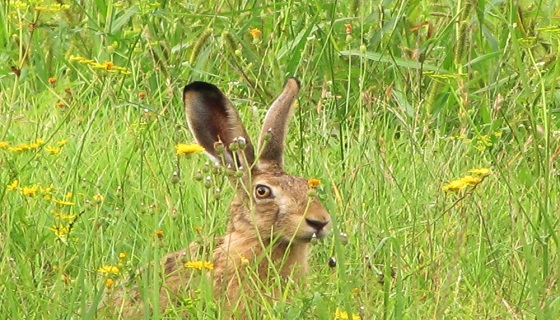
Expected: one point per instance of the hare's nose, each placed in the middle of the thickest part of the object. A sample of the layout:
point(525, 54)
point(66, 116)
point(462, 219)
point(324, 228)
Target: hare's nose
point(316, 224)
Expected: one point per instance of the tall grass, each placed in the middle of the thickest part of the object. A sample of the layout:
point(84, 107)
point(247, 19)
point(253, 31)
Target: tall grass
point(399, 98)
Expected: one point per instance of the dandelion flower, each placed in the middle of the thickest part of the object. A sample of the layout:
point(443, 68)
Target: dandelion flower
point(108, 65)
point(61, 143)
point(16, 149)
point(98, 197)
point(13, 185)
point(122, 255)
point(60, 231)
point(4, 144)
point(339, 314)
point(32, 146)
point(462, 183)
point(470, 180)
point(109, 283)
point(454, 185)
point(52, 150)
point(108, 270)
point(313, 183)
point(199, 265)
point(30, 191)
point(255, 33)
point(159, 234)
point(188, 148)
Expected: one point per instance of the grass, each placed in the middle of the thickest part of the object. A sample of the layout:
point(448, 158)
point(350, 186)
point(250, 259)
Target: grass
point(399, 98)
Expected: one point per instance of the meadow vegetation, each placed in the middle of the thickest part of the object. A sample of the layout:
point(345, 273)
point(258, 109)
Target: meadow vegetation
point(399, 100)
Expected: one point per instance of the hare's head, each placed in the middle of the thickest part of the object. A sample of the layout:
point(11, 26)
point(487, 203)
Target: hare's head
point(269, 200)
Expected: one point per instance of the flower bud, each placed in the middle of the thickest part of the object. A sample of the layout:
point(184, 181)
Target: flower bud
point(175, 178)
point(198, 176)
point(208, 183)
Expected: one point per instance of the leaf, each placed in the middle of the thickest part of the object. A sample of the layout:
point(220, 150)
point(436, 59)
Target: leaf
point(117, 24)
point(385, 58)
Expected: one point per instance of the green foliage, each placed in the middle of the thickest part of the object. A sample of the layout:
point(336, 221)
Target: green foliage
point(398, 99)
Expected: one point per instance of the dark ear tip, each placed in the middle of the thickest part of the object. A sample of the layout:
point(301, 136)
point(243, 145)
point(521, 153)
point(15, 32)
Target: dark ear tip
point(293, 81)
point(200, 86)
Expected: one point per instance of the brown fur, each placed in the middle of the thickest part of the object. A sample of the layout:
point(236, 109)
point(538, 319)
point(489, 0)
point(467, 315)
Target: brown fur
point(268, 236)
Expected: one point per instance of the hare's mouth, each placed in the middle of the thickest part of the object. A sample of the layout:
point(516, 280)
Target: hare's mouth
point(312, 235)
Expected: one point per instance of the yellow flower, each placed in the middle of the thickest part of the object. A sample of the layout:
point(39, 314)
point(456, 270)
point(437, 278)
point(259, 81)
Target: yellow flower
point(199, 265)
point(244, 261)
point(108, 65)
point(4, 144)
point(480, 171)
point(159, 234)
point(255, 33)
point(109, 283)
point(108, 270)
point(122, 255)
point(47, 190)
point(29, 191)
point(339, 314)
point(461, 183)
point(98, 197)
point(19, 148)
point(60, 231)
point(313, 183)
point(52, 150)
point(13, 185)
point(454, 185)
point(61, 143)
point(34, 145)
point(183, 148)
point(470, 180)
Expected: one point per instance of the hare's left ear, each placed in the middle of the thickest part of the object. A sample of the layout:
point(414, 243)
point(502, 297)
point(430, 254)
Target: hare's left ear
point(212, 118)
point(275, 128)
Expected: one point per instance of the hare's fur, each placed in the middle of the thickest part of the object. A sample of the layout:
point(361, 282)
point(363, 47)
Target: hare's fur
point(272, 219)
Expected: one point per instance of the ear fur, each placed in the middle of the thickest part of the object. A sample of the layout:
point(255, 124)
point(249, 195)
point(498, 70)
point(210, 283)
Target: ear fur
point(275, 127)
point(212, 118)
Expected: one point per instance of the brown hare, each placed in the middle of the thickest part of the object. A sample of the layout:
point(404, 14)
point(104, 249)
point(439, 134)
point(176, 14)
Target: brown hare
point(272, 218)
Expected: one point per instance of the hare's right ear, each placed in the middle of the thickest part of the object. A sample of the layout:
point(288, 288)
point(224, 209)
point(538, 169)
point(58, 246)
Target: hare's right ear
point(212, 118)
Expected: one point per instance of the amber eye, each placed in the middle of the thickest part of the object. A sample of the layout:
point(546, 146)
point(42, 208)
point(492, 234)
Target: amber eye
point(262, 191)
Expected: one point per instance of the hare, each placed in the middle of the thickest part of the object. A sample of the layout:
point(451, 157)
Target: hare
point(272, 217)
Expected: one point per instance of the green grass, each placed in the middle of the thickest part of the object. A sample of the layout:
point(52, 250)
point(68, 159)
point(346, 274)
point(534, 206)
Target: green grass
point(398, 98)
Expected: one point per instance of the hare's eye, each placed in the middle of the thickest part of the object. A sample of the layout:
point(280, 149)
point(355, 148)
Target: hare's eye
point(262, 191)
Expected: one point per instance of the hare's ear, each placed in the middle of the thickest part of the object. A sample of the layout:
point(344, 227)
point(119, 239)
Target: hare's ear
point(275, 127)
point(212, 118)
